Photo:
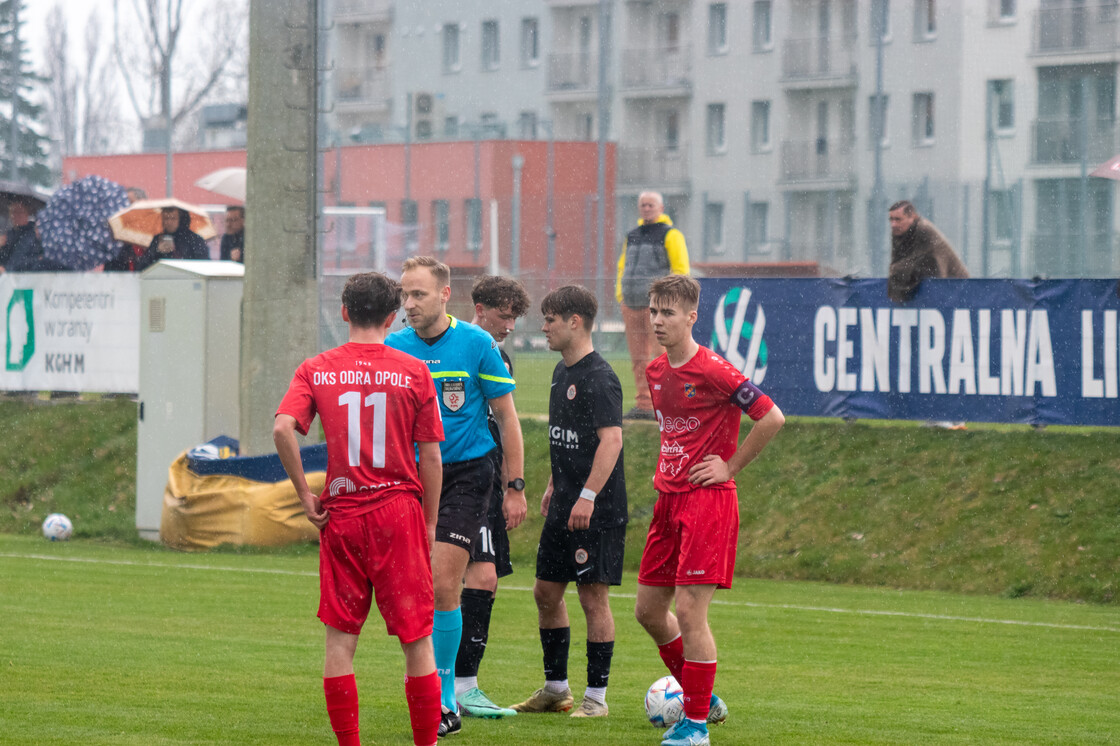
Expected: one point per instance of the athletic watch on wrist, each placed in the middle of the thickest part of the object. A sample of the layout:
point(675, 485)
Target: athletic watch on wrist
point(517, 484)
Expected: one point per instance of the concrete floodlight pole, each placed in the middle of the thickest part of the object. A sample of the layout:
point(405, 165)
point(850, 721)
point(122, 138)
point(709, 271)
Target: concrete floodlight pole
point(279, 323)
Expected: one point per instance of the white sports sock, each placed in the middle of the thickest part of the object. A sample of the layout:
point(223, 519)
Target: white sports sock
point(556, 687)
point(464, 684)
point(597, 693)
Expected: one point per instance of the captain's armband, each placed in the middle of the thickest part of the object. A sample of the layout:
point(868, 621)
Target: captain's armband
point(751, 400)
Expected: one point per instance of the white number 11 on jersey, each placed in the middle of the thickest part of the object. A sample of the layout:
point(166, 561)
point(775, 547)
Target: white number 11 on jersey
point(352, 400)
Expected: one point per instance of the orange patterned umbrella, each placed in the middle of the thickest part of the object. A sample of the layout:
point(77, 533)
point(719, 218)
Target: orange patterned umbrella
point(140, 222)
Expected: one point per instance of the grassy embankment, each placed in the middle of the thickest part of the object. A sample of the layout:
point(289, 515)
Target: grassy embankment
point(992, 510)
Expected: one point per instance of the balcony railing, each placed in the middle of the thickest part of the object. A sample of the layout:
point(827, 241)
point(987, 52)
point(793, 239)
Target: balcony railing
point(363, 10)
point(653, 166)
point(819, 58)
point(572, 71)
point(1064, 255)
point(363, 85)
point(817, 160)
point(656, 68)
point(1076, 29)
point(1058, 141)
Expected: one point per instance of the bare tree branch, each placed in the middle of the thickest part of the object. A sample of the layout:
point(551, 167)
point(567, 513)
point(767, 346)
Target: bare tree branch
point(157, 28)
point(126, 72)
point(61, 103)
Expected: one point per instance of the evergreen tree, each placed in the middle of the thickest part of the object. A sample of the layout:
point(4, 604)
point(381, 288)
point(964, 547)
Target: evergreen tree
point(17, 80)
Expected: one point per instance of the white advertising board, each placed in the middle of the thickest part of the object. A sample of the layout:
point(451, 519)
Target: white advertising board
point(70, 332)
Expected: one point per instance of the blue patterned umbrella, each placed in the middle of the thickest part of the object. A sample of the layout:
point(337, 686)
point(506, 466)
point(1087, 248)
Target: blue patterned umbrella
point(75, 223)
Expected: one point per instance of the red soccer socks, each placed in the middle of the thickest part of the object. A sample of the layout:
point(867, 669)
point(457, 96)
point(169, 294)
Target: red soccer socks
point(342, 707)
point(672, 653)
point(697, 681)
point(423, 695)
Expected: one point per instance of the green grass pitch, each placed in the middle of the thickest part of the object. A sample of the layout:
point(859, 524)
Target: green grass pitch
point(110, 645)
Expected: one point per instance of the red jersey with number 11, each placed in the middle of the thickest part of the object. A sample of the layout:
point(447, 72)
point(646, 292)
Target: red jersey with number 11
point(374, 403)
point(696, 415)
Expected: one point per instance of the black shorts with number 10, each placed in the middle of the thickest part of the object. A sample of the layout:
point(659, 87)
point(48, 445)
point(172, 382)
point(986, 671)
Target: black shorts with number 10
point(492, 541)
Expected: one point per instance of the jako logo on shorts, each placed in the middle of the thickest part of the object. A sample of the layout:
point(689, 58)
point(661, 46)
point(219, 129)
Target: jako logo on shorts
point(740, 341)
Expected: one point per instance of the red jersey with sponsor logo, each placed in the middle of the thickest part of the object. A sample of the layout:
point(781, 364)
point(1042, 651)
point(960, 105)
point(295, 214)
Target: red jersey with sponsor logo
point(696, 415)
point(374, 403)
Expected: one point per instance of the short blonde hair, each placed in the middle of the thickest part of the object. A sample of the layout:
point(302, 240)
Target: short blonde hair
point(439, 270)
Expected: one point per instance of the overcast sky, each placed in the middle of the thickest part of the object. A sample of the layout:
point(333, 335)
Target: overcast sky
point(77, 11)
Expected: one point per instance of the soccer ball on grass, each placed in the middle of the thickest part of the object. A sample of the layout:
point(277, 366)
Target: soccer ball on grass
point(664, 702)
point(57, 527)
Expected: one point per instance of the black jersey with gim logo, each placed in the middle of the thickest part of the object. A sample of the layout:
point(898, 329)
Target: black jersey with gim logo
point(584, 398)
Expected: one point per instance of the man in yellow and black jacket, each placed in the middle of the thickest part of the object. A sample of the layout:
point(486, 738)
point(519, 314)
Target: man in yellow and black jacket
point(652, 250)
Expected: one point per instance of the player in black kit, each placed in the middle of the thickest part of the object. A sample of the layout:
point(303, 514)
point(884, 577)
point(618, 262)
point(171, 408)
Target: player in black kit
point(498, 303)
point(584, 505)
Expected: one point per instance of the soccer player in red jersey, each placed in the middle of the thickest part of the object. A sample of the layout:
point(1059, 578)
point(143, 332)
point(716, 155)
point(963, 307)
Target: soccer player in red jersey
point(377, 514)
point(698, 398)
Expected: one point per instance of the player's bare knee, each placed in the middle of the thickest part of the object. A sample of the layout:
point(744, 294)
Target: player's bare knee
point(548, 596)
point(482, 576)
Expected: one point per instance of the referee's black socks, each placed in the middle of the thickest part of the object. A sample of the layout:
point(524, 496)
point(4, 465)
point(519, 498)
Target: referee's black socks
point(476, 605)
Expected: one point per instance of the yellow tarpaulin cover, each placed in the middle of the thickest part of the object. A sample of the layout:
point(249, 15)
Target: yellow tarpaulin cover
point(200, 512)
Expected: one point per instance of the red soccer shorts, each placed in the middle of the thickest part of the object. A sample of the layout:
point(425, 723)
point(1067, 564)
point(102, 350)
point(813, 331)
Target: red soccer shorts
point(692, 539)
point(382, 555)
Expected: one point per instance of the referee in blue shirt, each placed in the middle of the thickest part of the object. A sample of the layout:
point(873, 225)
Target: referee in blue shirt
point(469, 375)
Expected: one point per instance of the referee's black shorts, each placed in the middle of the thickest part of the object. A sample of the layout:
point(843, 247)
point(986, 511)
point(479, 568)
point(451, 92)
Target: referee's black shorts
point(493, 542)
point(590, 556)
point(464, 500)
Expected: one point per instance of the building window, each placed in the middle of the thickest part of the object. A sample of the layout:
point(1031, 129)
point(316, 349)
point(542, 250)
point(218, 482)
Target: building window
point(1006, 10)
point(410, 218)
point(491, 46)
point(473, 212)
point(669, 26)
point(375, 50)
point(527, 125)
point(713, 227)
point(717, 28)
point(451, 127)
point(530, 42)
point(922, 119)
point(758, 231)
point(925, 19)
point(452, 63)
point(1003, 215)
point(670, 129)
point(763, 26)
point(717, 130)
point(441, 219)
point(880, 20)
point(1003, 105)
point(760, 125)
point(878, 111)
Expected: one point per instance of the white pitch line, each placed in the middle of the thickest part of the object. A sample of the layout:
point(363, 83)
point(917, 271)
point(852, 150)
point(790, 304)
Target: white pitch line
point(720, 602)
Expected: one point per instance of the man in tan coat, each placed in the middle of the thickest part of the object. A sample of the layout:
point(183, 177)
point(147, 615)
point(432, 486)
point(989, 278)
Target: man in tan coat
point(918, 251)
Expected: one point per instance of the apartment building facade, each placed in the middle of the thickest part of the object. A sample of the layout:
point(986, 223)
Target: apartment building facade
point(781, 131)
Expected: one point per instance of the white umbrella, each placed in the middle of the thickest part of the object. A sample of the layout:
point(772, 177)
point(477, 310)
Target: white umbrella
point(228, 182)
point(1110, 169)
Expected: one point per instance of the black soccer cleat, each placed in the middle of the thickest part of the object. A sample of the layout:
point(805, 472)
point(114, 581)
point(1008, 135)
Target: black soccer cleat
point(449, 722)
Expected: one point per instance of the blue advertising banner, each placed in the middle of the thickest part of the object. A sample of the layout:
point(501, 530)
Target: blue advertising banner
point(1018, 351)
